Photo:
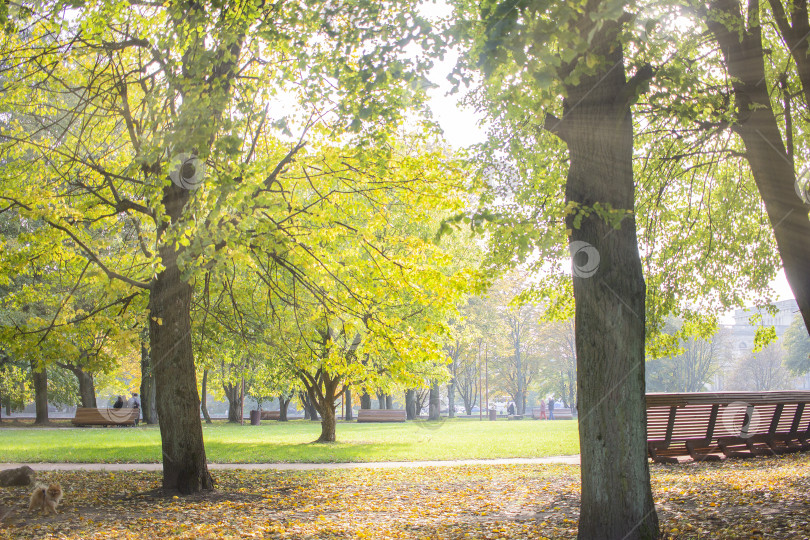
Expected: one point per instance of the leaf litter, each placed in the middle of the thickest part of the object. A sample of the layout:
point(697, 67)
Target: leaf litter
point(756, 498)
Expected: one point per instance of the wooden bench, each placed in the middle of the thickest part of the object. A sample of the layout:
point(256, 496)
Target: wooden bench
point(105, 417)
point(562, 413)
point(381, 415)
point(703, 425)
point(271, 415)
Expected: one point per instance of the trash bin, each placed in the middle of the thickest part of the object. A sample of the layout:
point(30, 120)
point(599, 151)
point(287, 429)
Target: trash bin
point(493, 414)
point(255, 418)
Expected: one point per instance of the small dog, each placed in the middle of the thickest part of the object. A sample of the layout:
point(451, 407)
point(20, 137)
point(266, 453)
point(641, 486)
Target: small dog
point(46, 498)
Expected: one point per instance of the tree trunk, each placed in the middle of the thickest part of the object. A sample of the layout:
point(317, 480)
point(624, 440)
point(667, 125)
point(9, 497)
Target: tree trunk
point(87, 388)
point(178, 404)
point(389, 401)
point(410, 404)
point(381, 400)
point(40, 379)
point(435, 403)
point(204, 400)
point(451, 399)
point(328, 422)
point(348, 404)
point(148, 385)
point(365, 401)
point(232, 394)
point(609, 294)
point(771, 166)
point(283, 404)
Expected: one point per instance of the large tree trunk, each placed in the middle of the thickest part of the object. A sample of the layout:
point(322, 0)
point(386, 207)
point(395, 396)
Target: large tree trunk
point(410, 404)
point(389, 401)
point(87, 385)
point(434, 411)
point(233, 396)
point(87, 388)
point(365, 401)
point(609, 294)
point(381, 400)
point(347, 400)
point(40, 379)
point(204, 398)
point(178, 404)
point(771, 166)
point(148, 385)
point(328, 423)
point(283, 404)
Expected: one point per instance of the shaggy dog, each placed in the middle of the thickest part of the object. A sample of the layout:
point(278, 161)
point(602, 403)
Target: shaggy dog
point(46, 498)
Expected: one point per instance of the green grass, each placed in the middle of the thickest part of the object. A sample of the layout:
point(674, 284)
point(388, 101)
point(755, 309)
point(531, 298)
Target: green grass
point(292, 442)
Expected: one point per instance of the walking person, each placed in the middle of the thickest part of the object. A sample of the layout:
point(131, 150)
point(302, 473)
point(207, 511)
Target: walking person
point(551, 408)
point(135, 403)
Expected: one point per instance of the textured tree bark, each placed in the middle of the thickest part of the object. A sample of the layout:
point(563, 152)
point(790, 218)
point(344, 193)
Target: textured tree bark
point(410, 404)
point(204, 398)
point(87, 387)
point(389, 401)
point(178, 403)
point(381, 400)
point(609, 294)
point(328, 423)
point(283, 404)
point(434, 410)
point(148, 386)
point(771, 166)
point(365, 401)
point(451, 399)
point(347, 398)
point(40, 379)
point(232, 394)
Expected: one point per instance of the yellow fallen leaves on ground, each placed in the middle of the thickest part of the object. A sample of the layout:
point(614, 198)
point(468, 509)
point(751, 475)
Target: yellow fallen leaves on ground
point(762, 497)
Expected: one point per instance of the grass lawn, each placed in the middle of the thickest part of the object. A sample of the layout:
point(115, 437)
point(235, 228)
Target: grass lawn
point(292, 442)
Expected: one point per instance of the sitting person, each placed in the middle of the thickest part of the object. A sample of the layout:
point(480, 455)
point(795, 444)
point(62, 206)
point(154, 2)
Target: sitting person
point(119, 403)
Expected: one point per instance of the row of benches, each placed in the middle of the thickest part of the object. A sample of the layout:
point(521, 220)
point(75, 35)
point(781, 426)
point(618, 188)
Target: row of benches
point(705, 425)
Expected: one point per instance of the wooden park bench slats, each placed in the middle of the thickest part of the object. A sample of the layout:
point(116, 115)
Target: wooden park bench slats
point(382, 415)
point(702, 424)
point(563, 413)
point(270, 415)
point(105, 417)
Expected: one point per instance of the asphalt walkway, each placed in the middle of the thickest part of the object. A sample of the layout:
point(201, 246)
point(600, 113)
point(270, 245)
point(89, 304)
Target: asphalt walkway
point(566, 460)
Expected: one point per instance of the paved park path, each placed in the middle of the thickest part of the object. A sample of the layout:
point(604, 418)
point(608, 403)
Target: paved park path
point(567, 460)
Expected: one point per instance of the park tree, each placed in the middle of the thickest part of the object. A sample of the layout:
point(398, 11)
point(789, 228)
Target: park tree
point(517, 337)
point(754, 101)
point(561, 68)
point(797, 347)
point(149, 99)
point(558, 371)
point(761, 370)
point(690, 366)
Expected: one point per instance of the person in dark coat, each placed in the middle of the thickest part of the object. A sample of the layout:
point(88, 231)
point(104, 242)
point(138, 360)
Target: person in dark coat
point(551, 408)
point(119, 403)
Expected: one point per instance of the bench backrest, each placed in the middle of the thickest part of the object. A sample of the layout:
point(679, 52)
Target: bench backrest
point(106, 415)
point(382, 414)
